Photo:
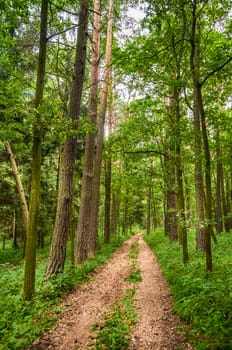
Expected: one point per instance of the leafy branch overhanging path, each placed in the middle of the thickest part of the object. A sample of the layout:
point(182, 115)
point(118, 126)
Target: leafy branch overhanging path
point(157, 327)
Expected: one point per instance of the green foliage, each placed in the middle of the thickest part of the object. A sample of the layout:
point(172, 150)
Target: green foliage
point(10, 256)
point(21, 322)
point(135, 274)
point(205, 303)
point(114, 332)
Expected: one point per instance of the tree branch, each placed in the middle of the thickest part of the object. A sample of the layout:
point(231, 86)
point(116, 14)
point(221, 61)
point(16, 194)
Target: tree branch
point(216, 70)
point(63, 31)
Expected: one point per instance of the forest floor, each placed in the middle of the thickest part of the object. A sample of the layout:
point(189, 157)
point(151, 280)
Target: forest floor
point(157, 327)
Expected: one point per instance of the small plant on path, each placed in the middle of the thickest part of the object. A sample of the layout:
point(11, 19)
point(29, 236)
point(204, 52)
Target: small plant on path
point(114, 332)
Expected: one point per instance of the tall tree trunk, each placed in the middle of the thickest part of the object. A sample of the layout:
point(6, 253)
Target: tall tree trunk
point(228, 204)
point(107, 200)
point(188, 198)
point(148, 211)
point(30, 251)
point(208, 201)
point(224, 203)
point(171, 205)
point(114, 212)
point(57, 254)
point(219, 222)
point(148, 204)
point(182, 230)
point(19, 185)
point(100, 134)
point(203, 231)
point(14, 232)
point(82, 249)
point(108, 168)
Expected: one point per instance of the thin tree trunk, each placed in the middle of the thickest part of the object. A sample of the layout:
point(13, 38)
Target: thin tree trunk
point(171, 205)
point(179, 176)
point(208, 201)
point(199, 187)
point(228, 203)
point(30, 251)
point(148, 204)
point(224, 203)
point(19, 185)
point(188, 198)
point(57, 254)
point(114, 213)
point(203, 231)
point(14, 232)
point(82, 250)
point(108, 168)
point(107, 200)
point(219, 222)
point(148, 211)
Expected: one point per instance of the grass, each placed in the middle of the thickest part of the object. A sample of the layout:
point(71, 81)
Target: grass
point(22, 322)
point(114, 332)
point(205, 303)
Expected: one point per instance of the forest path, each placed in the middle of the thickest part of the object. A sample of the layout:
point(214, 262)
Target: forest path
point(157, 328)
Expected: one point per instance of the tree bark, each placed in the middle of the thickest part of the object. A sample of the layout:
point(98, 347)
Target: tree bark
point(219, 222)
point(108, 168)
point(202, 229)
point(31, 238)
point(107, 200)
point(14, 232)
point(182, 230)
point(57, 254)
point(100, 134)
point(82, 249)
point(171, 205)
point(148, 204)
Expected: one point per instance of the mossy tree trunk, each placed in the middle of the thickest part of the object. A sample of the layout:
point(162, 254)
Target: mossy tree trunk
point(31, 237)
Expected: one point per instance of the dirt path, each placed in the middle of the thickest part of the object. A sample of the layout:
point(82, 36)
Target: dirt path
point(157, 328)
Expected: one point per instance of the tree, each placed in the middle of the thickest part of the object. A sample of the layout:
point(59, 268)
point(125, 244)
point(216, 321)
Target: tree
point(30, 252)
point(88, 241)
point(57, 254)
point(84, 218)
point(19, 185)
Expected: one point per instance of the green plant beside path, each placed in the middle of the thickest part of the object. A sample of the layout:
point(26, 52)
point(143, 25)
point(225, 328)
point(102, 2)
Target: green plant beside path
point(205, 303)
point(22, 322)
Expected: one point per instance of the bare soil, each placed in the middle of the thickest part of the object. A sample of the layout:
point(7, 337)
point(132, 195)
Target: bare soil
point(157, 327)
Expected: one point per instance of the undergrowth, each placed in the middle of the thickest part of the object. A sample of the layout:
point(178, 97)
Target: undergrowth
point(205, 303)
point(21, 322)
point(114, 332)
